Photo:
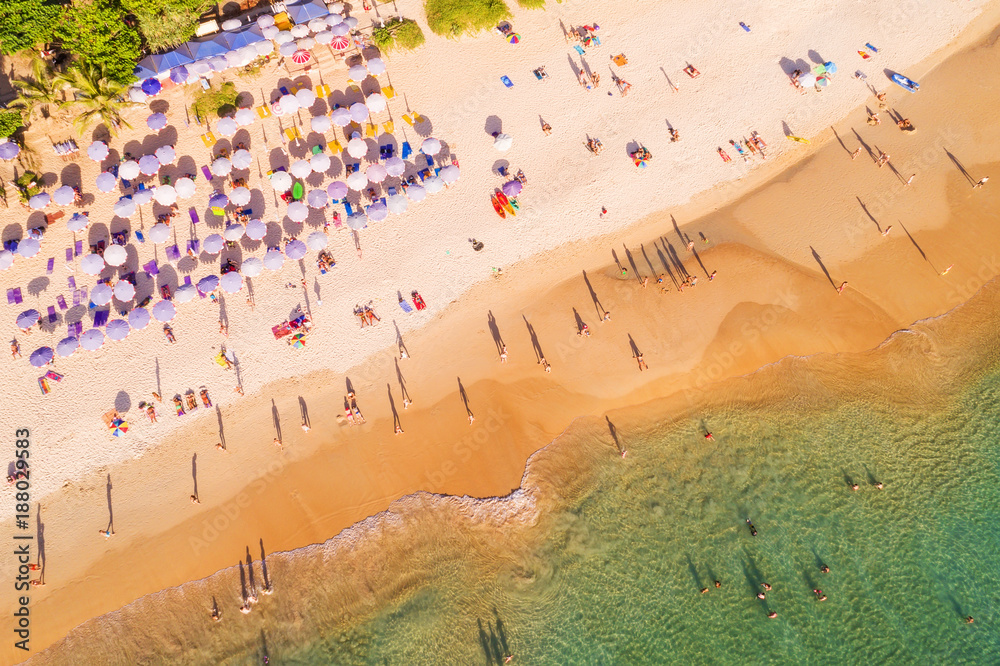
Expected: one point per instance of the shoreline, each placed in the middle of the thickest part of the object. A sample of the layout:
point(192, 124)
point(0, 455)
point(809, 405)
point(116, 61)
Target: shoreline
point(295, 479)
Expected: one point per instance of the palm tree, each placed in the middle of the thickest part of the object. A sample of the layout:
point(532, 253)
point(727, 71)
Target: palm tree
point(99, 98)
point(38, 91)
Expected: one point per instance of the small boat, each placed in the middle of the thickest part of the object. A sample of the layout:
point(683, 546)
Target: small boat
point(905, 83)
point(502, 198)
point(514, 204)
point(497, 207)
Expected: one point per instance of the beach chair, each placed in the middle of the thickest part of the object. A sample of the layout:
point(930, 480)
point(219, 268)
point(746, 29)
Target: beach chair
point(389, 92)
point(71, 281)
point(101, 318)
point(139, 237)
point(371, 131)
point(208, 139)
point(335, 146)
point(194, 216)
point(354, 88)
point(61, 302)
point(79, 247)
point(14, 296)
point(193, 245)
point(52, 314)
point(264, 111)
point(208, 172)
point(388, 126)
point(151, 268)
point(173, 253)
point(284, 90)
point(218, 211)
point(347, 207)
point(322, 90)
point(391, 191)
point(50, 265)
point(407, 151)
point(69, 255)
point(425, 174)
point(405, 306)
point(76, 328)
point(292, 133)
point(52, 217)
point(408, 120)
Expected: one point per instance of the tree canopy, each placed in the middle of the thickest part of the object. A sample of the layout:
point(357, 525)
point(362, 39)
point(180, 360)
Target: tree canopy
point(25, 23)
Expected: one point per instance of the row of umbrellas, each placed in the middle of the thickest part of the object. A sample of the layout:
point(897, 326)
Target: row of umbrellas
point(94, 338)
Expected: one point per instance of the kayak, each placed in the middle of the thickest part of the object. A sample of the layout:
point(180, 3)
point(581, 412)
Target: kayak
point(502, 198)
point(905, 83)
point(497, 207)
point(297, 191)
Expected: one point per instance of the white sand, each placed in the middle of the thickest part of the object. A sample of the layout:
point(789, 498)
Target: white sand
point(455, 84)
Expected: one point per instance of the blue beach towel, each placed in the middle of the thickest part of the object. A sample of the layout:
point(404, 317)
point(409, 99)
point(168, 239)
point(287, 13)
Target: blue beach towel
point(506, 81)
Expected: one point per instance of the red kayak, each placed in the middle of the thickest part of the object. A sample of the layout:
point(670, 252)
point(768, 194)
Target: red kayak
point(502, 198)
point(497, 207)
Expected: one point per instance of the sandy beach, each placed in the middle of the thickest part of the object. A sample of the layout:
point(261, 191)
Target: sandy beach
point(782, 236)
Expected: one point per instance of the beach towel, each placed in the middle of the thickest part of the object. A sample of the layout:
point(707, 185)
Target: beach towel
point(173, 253)
point(79, 247)
point(506, 81)
point(14, 296)
point(43, 385)
point(71, 281)
point(101, 318)
point(50, 265)
point(578, 49)
point(405, 306)
point(406, 151)
point(54, 376)
point(139, 236)
point(221, 212)
point(52, 314)
point(208, 172)
point(61, 302)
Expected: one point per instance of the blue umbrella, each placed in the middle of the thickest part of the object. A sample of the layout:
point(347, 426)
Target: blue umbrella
point(164, 61)
point(144, 70)
point(150, 86)
point(179, 74)
point(41, 357)
point(305, 11)
point(237, 40)
point(205, 48)
point(830, 67)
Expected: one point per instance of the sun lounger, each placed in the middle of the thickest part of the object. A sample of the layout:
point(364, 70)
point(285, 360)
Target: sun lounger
point(430, 160)
point(417, 118)
point(79, 247)
point(354, 88)
point(52, 217)
point(425, 174)
point(264, 111)
point(71, 281)
point(173, 253)
point(52, 314)
point(579, 49)
point(61, 302)
point(101, 318)
point(151, 268)
point(208, 172)
point(221, 212)
point(76, 328)
point(322, 91)
point(406, 150)
point(50, 265)
point(208, 139)
point(335, 146)
point(389, 92)
point(406, 307)
point(371, 130)
point(388, 126)
point(126, 183)
point(193, 245)
point(16, 293)
point(408, 120)
point(292, 133)
point(69, 255)
point(391, 191)
point(194, 216)
point(139, 237)
point(347, 207)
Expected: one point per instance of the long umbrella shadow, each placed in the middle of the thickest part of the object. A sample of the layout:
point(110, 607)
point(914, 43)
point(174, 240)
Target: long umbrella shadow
point(111, 512)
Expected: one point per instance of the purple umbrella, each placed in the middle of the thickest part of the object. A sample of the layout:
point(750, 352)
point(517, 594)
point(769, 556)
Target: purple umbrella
point(295, 249)
point(67, 346)
point(138, 318)
point(27, 319)
point(337, 190)
point(118, 329)
point(92, 340)
point(164, 311)
point(150, 86)
point(41, 357)
point(179, 74)
point(156, 122)
point(513, 188)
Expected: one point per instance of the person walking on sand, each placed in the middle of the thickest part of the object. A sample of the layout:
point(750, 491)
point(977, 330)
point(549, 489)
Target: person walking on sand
point(709, 437)
point(277, 442)
point(223, 329)
point(855, 154)
point(842, 287)
point(546, 365)
point(945, 271)
point(982, 181)
point(887, 230)
point(195, 500)
point(910, 179)
point(503, 354)
point(641, 362)
point(108, 533)
point(15, 349)
point(305, 426)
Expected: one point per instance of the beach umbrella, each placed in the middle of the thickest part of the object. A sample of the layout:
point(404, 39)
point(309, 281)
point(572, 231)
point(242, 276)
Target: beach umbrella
point(297, 211)
point(301, 56)
point(118, 329)
point(359, 112)
point(300, 168)
point(185, 293)
point(305, 43)
point(124, 291)
point(281, 181)
point(164, 311)
point(323, 37)
point(416, 193)
point(351, 22)
point(503, 142)
point(129, 170)
point(240, 196)
point(317, 198)
point(831, 68)
point(166, 154)
point(265, 20)
point(179, 74)
point(334, 18)
point(512, 188)
point(807, 79)
point(218, 63)
point(124, 207)
point(92, 340)
point(64, 195)
point(118, 427)
point(357, 181)
point(115, 255)
point(233, 232)
point(264, 48)
point(336, 190)
point(184, 187)
point(339, 42)
point(150, 86)
point(6, 259)
point(397, 204)
point(165, 194)
point(357, 220)
point(138, 318)
point(305, 97)
point(295, 249)
point(271, 32)
point(200, 67)
point(106, 182)
point(320, 123)
point(231, 24)
point(395, 166)
point(231, 282)
point(433, 185)
point(92, 264)
point(300, 30)
point(244, 117)
point(156, 122)
point(242, 159)
point(376, 173)
point(136, 94)
point(449, 174)
point(256, 229)
point(375, 66)
point(226, 127)
point(822, 81)
point(159, 233)
point(357, 148)
point(273, 260)
point(97, 151)
point(78, 222)
point(67, 346)
point(143, 196)
point(514, 38)
point(39, 201)
point(214, 244)
point(27, 319)
point(41, 357)
point(298, 341)
point(340, 29)
point(377, 212)
point(287, 50)
point(375, 102)
point(341, 116)
point(289, 103)
point(284, 37)
point(252, 267)
point(9, 150)
point(430, 146)
point(317, 240)
point(320, 162)
point(101, 294)
point(234, 58)
point(28, 247)
point(222, 167)
point(317, 24)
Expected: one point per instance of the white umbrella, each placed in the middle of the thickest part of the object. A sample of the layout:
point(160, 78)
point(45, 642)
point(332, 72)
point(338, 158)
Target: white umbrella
point(240, 196)
point(340, 29)
point(335, 9)
point(351, 22)
point(67, 346)
point(234, 58)
point(295, 249)
point(244, 117)
point(64, 195)
point(265, 20)
point(28, 247)
point(375, 66)
point(284, 37)
point(242, 158)
point(376, 102)
point(101, 294)
point(323, 37)
point(336, 190)
point(252, 267)
point(416, 193)
point(78, 222)
point(433, 185)
point(164, 311)
point(231, 24)
point(265, 48)
point(185, 293)
point(218, 63)
point(106, 181)
point(199, 67)
point(231, 282)
point(143, 196)
point(156, 121)
point(115, 255)
point(377, 212)
point(359, 112)
point(273, 260)
point(376, 173)
point(317, 24)
point(213, 244)
point(430, 146)
point(288, 50)
point(136, 95)
point(185, 187)
point(357, 148)
point(320, 162)
point(297, 211)
point(300, 168)
point(159, 233)
point(317, 198)
point(306, 97)
point(233, 232)
point(256, 229)
point(449, 174)
point(320, 123)
point(503, 142)
point(149, 165)
point(208, 284)
point(357, 181)
point(92, 264)
point(341, 116)
point(300, 30)
point(124, 291)
point(281, 181)
point(39, 201)
point(6, 259)
point(138, 318)
point(166, 154)
point(317, 240)
point(357, 220)
point(97, 151)
point(397, 204)
point(289, 103)
point(165, 194)
point(92, 340)
point(395, 166)
point(222, 167)
point(124, 207)
point(118, 329)
point(226, 127)
point(357, 73)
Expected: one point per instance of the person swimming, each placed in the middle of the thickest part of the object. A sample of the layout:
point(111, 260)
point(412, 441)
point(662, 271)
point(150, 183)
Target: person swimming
point(753, 530)
point(824, 569)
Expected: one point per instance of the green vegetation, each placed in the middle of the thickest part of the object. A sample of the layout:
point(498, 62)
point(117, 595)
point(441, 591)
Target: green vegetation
point(10, 122)
point(98, 98)
point(27, 185)
point(532, 4)
point(221, 101)
point(99, 35)
point(25, 23)
point(398, 35)
point(166, 23)
point(36, 92)
point(452, 18)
